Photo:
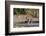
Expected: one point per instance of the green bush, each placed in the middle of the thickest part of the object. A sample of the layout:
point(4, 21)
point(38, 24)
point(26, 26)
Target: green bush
point(18, 11)
point(32, 12)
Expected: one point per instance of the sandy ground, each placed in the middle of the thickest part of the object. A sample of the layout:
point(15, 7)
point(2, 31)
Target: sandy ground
point(22, 18)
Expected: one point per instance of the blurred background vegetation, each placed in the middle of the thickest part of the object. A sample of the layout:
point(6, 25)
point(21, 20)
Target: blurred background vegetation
point(23, 11)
